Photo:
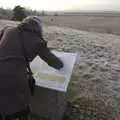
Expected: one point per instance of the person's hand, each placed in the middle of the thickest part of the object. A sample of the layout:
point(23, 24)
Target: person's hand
point(59, 65)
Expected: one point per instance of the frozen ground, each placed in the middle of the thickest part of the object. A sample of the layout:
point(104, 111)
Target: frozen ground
point(95, 84)
point(94, 90)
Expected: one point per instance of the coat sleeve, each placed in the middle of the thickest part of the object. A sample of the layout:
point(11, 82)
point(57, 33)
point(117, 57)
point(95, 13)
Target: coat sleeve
point(49, 57)
point(1, 33)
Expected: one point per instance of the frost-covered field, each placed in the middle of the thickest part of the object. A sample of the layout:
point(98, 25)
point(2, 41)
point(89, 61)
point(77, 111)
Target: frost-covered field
point(95, 84)
point(94, 90)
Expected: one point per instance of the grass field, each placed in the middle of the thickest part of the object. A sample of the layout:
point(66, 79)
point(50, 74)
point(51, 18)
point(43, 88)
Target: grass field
point(94, 23)
point(94, 89)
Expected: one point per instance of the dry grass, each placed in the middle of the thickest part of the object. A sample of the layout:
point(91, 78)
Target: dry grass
point(104, 24)
point(94, 90)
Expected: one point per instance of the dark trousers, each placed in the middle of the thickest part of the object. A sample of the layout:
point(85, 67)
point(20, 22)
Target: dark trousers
point(21, 115)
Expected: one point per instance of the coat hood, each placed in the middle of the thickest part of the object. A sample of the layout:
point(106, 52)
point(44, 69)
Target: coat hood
point(32, 24)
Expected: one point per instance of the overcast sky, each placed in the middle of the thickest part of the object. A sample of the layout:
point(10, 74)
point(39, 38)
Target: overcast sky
point(64, 4)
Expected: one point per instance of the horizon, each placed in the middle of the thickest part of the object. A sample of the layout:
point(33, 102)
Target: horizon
point(64, 5)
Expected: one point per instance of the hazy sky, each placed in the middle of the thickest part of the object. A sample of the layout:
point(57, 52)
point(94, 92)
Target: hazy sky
point(64, 4)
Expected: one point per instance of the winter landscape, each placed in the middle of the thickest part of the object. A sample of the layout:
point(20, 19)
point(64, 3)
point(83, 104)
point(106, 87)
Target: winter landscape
point(94, 89)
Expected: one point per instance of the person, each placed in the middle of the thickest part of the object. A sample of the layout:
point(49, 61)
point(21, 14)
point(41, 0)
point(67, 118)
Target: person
point(14, 88)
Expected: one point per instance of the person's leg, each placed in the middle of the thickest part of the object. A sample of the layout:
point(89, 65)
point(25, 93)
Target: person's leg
point(24, 117)
point(21, 115)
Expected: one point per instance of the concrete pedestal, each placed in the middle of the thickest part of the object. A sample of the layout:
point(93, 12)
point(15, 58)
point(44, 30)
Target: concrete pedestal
point(48, 103)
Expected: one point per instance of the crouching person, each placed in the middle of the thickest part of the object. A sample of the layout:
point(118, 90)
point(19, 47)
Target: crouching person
point(14, 87)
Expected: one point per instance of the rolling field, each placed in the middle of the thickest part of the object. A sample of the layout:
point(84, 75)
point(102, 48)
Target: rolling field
point(94, 90)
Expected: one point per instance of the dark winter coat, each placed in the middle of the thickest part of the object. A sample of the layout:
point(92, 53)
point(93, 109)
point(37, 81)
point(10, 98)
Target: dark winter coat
point(14, 92)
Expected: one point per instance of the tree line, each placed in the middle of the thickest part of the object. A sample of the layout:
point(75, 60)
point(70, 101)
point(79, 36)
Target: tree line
point(18, 13)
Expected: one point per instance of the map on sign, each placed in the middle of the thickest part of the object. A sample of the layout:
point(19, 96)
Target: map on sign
point(49, 77)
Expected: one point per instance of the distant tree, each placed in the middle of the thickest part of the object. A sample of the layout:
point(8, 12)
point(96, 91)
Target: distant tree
point(19, 13)
point(56, 14)
point(5, 13)
point(43, 13)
